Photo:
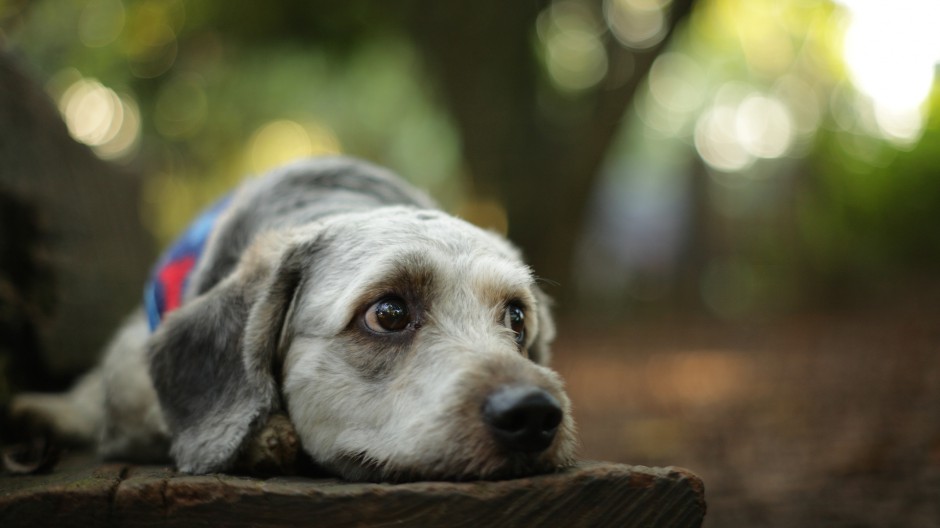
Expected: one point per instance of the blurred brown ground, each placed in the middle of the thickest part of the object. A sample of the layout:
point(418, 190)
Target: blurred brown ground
point(825, 420)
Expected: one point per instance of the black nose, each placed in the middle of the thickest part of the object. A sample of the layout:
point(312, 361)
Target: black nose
point(522, 418)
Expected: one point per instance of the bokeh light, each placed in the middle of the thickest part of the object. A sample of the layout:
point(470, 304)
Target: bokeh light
point(637, 24)
point(891, 51)
point(575, 57)
point(767, 47)
point(676, 81)
point(100, 118)
point(717, 141)
point(675, 91)
point(101, 22)
point(764, 126)
point(126, 141)
point(150, 38)
point(281, 141)
point(742, 126)
point(903, 126)
point(803, 103)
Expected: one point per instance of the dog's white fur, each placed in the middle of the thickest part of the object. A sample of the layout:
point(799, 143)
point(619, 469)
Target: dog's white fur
point(365, 406)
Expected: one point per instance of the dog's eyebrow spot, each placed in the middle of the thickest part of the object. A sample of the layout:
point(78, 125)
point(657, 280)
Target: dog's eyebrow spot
point(427, 216)
point(499, 284)
point(411, 277)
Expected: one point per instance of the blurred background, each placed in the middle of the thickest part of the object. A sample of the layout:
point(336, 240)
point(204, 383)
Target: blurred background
point(735, 203)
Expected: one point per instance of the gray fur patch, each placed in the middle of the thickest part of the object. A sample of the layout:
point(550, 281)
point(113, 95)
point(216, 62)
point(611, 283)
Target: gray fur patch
point(215, 361)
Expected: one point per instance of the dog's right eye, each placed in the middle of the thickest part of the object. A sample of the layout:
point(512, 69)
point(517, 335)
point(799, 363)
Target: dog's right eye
point(388, 315)
point(515, 321)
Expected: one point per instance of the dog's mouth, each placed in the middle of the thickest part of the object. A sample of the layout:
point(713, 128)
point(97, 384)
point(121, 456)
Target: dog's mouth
point(517, 433)
point(360, 467)
point(516, 430)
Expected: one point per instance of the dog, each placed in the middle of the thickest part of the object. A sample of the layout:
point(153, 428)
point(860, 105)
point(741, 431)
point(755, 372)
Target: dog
point(330, 309)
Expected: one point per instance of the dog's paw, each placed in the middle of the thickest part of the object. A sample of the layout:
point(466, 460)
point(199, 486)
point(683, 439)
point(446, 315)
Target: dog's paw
point(272, 450)
point(39, 455)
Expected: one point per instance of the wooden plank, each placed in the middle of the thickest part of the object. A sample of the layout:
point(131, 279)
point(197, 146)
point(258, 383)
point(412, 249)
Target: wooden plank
point(590, 495)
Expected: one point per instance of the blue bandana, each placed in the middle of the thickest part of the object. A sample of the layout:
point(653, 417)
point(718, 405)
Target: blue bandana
point(167, 283)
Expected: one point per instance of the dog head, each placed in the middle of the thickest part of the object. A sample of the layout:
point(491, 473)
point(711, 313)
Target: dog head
point(404, 344)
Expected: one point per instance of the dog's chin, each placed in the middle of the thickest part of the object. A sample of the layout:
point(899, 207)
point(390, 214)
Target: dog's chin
point(359, 467)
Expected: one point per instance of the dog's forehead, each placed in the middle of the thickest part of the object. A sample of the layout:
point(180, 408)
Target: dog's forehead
point(399, 247)
point(391, 231)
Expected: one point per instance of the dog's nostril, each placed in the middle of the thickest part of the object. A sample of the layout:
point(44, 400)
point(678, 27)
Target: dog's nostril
point(522, 418)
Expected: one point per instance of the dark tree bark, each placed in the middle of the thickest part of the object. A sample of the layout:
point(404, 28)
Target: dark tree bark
point(541, 160)
point(74, 253)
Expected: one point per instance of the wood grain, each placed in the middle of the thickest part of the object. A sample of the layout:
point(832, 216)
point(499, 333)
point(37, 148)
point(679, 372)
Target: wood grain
point(87, 494)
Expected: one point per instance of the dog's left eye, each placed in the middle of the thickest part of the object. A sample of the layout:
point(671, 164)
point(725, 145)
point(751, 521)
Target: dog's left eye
point(515, 321)
point(388, 315)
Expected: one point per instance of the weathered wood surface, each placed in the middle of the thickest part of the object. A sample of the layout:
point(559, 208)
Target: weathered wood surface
point(86, 494)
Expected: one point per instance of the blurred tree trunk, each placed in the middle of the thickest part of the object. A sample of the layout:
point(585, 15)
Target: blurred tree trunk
point(697, 243)
point(74, 253)
point(535, 150)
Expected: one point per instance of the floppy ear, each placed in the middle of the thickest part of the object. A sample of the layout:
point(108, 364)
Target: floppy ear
point(215, 360)
point(540, 350)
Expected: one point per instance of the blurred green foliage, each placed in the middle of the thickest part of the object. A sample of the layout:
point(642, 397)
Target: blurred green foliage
point(209, 76)
point(876, 208)
point(813, 192)
point(821, 174)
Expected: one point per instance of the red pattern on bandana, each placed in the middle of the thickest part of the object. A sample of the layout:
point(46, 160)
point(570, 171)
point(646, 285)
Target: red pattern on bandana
point(172, 277)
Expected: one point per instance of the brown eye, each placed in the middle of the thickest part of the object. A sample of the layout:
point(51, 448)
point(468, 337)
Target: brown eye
point(515, 321)
point(388, 315)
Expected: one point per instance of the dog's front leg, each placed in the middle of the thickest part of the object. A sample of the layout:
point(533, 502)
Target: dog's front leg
point(272, 450)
